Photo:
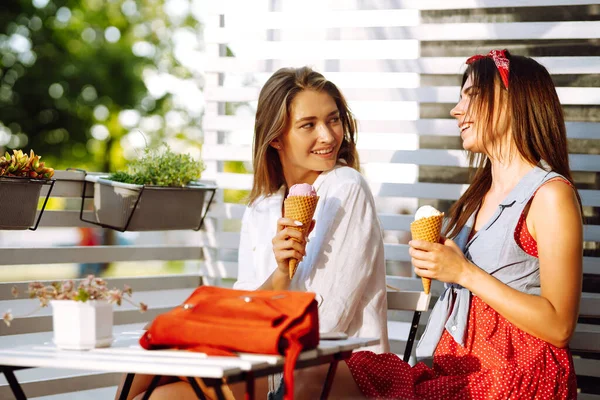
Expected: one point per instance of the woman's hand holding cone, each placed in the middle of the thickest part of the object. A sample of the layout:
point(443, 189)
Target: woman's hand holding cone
point(300, 208)
point(288, 243)
point(443, 262)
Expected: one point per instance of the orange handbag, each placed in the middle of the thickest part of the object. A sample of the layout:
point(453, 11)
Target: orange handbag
point(219, 321)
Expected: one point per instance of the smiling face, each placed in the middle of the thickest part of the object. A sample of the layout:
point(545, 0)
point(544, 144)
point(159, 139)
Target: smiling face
point(464, 114)
point(311, 142)
point(482, 120)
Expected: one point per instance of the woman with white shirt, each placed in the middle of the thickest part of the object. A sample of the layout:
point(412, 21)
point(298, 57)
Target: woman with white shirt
point(305, 133)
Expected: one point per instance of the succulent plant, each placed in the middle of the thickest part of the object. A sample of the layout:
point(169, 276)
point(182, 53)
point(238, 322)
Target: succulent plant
point(22, 165)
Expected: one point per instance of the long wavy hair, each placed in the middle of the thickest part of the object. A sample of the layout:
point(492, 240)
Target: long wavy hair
point(532, 109)
point(273, 119)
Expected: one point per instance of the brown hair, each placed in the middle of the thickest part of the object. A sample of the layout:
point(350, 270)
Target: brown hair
point(272, 120)
point(535, 116)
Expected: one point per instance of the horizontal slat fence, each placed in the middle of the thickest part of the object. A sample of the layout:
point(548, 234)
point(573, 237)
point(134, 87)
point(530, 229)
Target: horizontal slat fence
point(399, 63)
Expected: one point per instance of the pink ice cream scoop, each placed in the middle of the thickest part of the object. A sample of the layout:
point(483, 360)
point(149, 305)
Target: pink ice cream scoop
point(302, 189)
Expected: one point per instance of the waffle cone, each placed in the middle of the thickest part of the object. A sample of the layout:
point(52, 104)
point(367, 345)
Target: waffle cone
point(427, 229)
point(299, 208)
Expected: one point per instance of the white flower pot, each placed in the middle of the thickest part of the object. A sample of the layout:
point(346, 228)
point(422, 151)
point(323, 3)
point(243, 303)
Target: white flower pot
point(82, 326)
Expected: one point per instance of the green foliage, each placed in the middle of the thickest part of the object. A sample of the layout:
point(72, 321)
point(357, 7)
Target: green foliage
point(161, 167)
point(68, 69)
point(82, 295)
point(233, 195)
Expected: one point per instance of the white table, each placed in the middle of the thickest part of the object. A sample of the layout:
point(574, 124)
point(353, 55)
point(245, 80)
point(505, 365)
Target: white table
point(126, 356)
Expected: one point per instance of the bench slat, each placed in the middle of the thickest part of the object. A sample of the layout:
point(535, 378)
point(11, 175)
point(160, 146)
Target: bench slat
point(93, 254)
point(226, 6)
point(413, 301)
point(423, 127)
point(392, 222)
point(256, 34)
point(439, 191)
point(423, 65)
point(445, 94)
point(450, 158)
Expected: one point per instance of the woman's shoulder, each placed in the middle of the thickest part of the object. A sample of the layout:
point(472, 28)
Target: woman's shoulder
point(556, 192)
point(557, 198)
point(343, 176)
point(345, 183)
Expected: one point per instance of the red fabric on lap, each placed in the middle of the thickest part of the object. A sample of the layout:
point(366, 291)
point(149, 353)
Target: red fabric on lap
point(499, 361)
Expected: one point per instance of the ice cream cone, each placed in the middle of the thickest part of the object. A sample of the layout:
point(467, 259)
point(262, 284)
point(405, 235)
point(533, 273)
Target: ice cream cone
point(427, 229)
point(299, 208)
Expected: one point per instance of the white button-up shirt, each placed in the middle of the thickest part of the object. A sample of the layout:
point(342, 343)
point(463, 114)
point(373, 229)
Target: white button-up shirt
point(344, 263)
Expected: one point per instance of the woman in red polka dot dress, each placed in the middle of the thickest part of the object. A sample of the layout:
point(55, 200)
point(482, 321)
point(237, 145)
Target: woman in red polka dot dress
point(513, 270)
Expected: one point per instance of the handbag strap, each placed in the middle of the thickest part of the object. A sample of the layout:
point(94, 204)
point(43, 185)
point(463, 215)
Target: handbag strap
point(291, 357)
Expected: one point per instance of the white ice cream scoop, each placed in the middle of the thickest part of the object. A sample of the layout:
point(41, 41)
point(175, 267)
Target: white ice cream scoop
point(426, 212)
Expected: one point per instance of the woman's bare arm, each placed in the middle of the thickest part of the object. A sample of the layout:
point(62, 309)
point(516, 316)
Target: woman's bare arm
point(555, 222)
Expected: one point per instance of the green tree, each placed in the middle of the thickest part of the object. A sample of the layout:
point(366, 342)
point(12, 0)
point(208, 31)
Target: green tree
point(70, 68)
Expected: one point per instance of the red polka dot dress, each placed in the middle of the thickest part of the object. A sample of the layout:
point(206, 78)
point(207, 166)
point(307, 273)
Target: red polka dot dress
point(498, 361)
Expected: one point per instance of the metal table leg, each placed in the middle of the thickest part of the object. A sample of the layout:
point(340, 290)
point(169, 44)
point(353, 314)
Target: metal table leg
point(14, 384)
point(216, 385)
point(196, 388)
point(126, 386)
point(249, 386)
point(151, 387)
point(329, 380)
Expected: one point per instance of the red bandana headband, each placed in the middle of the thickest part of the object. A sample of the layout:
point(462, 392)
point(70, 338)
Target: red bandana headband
point(502, 63)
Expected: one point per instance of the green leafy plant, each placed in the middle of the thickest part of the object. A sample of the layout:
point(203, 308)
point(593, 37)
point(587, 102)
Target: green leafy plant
point(161, 167)
point(90, 288)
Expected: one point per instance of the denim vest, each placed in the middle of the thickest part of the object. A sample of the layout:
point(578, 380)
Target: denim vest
point(494, 249)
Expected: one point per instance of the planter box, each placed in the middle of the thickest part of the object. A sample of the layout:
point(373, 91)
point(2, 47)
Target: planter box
point(82, 326)
point(124, 206)
point(19, 198)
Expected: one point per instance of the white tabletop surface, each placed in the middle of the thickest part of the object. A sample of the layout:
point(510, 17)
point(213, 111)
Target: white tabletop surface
point(126, 355)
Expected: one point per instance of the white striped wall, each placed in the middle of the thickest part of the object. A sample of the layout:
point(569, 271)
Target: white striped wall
point(373, 50)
